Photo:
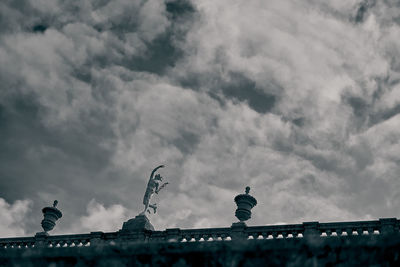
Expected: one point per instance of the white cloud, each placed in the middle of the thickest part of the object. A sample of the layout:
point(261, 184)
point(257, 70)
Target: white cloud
point(101, 218)
point(13, 217)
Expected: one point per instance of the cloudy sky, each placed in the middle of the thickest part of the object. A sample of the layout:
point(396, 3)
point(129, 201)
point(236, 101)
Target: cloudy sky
point(300, 100)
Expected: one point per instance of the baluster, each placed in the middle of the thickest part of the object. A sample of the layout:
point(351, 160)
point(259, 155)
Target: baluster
point(275, 235)
point(349, 231)
point(205, 237)
point(214, 237)
point(328, 232)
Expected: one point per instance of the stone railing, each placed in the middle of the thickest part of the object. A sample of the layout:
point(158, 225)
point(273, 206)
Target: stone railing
point(236, 232)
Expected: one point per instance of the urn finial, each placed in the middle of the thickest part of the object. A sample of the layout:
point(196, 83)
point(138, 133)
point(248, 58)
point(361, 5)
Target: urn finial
point(51, 215)
point(245, 202)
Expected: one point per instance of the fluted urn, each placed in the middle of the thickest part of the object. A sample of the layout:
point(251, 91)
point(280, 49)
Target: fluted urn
point(245, 203)
point(51, 215)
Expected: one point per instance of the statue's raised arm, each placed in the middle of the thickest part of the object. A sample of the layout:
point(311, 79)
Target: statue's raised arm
point(155, 169)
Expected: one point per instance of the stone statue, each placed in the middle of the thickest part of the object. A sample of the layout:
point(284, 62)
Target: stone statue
point(153, 186)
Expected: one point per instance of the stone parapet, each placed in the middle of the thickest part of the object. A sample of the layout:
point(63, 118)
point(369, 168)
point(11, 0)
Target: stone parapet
point(238, 231)
point(365, 250)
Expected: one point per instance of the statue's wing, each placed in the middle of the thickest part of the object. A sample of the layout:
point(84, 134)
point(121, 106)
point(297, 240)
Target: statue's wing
point(147, 195)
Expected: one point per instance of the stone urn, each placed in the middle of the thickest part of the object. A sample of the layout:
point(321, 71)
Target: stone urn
point(245, 203)
point(51, 215)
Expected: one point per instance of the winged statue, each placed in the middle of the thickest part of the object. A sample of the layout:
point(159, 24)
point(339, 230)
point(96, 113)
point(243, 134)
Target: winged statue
point(153, 186)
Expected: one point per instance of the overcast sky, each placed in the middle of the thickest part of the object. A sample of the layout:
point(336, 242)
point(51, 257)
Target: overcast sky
point(300, 100)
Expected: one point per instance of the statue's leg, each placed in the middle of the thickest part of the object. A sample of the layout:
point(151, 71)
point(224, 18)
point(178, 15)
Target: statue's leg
point(146, 205)
point(154, 207)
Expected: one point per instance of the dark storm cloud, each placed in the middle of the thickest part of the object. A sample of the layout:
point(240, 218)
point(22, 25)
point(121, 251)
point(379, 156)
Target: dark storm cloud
point(363, 9)
point(36, 158)
point(39, 28)
point(386, 114)
point(242, 88)
point(164, 51)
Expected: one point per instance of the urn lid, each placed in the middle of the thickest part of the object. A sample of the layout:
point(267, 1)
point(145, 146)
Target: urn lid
point(246, 197)
point(53, 209)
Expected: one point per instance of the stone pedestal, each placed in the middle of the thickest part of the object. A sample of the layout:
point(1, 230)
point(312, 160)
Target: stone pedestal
point(140, 222)
point(388, 226)
point(41, 234)
point(238, 231)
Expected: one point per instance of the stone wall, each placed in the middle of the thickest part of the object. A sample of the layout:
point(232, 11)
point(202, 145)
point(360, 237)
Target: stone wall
point(313, 251)
point(309, 243)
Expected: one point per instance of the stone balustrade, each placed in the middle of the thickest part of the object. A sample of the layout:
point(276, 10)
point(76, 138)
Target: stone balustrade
point(384, 226)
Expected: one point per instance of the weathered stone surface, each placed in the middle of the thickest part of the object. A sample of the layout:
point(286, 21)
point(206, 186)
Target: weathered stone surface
point(311, 243)
point(331, 251)
point(140, 222)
